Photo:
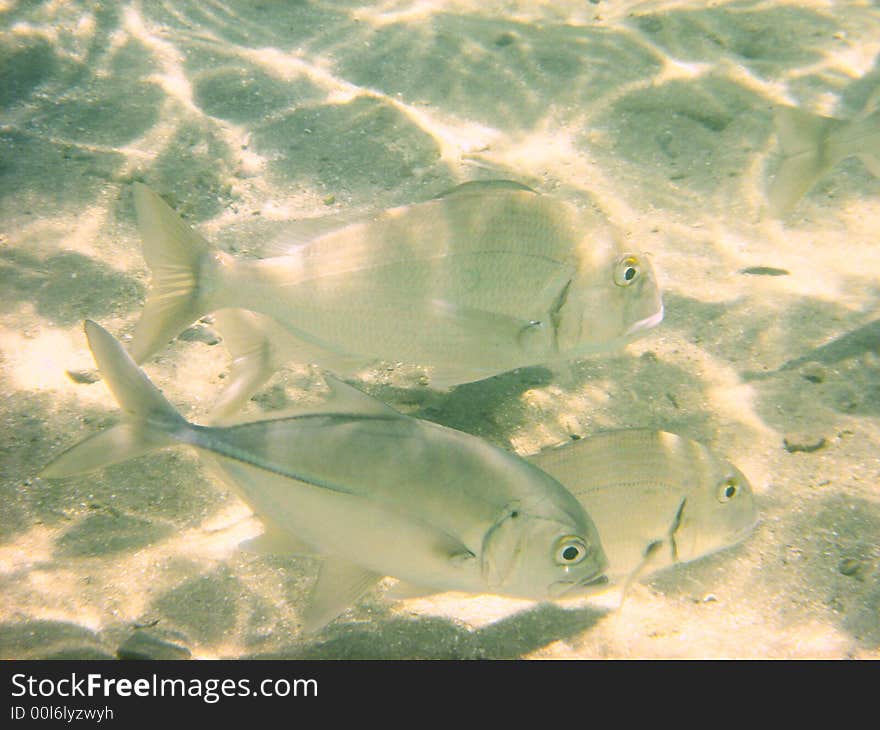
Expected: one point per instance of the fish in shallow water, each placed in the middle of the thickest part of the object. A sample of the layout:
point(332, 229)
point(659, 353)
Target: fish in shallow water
point(657, 499)
point(812, 145)
point(488, 278)
point(375, 492)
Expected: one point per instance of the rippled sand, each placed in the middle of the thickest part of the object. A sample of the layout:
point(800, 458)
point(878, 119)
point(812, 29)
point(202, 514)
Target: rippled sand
point(247, 115)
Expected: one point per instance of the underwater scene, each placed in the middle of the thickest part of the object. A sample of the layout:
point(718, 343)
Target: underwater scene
point(439, 329)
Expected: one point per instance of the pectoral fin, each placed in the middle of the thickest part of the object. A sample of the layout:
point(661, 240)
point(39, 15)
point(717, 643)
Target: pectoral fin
point(339, 584)
point(650, 560)
point(653, 558)
point(491, 329)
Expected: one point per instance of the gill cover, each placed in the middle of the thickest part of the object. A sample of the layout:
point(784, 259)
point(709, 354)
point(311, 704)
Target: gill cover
point(502, 545)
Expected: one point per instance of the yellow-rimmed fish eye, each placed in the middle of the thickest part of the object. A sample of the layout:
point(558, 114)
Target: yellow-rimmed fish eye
point(627, 270)
point(570, 550)
point(727, 489)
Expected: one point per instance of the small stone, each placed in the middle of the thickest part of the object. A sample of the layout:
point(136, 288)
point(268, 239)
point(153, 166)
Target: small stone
point(803, 442)
point(329, 200)
point(814, 372)
point(849, 566)
point(84, 376)
point(710, 598)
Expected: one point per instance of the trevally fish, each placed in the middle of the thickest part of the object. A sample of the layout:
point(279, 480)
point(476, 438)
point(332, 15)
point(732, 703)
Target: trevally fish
point(656, 498)
point(487, 278)
point(375, 492)
point(812, 145)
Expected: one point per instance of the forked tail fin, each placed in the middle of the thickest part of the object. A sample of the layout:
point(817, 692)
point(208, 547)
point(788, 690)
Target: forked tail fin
point(182, 264)
point(804, 140)
point(149, 418)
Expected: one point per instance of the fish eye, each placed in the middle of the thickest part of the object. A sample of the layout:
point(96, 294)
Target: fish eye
point(627, 270)
point(727, 489)
point(570, 550)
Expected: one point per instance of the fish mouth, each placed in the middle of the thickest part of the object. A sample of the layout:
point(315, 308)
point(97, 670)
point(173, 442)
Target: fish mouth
point(647, 322)
point(573, 588)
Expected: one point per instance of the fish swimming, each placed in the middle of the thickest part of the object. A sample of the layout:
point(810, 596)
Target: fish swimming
point(487, 278)
point(812, 145)
point(656, 498)
point(373, 491)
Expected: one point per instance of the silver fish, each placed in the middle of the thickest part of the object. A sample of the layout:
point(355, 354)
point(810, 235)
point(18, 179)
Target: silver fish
point(376, 492)
point(487, 278)
point(656, 498)
point(812, 145)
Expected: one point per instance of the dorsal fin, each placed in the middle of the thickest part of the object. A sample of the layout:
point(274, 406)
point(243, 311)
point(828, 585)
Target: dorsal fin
point(347, 398)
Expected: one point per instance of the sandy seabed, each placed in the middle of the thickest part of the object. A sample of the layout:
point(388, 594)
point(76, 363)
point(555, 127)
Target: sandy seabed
point(245, 116)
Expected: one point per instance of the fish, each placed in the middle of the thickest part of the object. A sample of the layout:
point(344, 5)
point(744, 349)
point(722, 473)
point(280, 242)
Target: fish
point(372, 491)
point(487, 278)
point(657, 499)
point(812, 145)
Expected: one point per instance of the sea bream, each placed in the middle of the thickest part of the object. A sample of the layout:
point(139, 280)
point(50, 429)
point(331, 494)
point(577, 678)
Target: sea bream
point(373, 491)
point(487, 278)
point(657, 499)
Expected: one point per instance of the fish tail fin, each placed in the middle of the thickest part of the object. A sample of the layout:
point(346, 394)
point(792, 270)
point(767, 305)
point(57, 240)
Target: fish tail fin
point(184, 272)
point(803, 137)
point(248, 338)
point(150, 419)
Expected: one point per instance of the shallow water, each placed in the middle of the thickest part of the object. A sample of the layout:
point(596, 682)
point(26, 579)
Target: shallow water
point(246, 115)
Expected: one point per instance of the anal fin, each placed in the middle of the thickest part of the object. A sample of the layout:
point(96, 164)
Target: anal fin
point(340, 583)
point(274, 541)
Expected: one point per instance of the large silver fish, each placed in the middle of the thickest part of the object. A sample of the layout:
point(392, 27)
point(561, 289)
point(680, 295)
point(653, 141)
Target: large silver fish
point(812, 145)
point(376, 492)
point(657, 499)
point(487, 278)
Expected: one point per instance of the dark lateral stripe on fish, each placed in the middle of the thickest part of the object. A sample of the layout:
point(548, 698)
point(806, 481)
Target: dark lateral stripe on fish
point(191, 436)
